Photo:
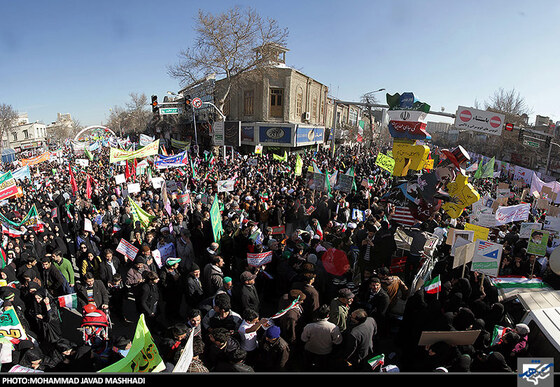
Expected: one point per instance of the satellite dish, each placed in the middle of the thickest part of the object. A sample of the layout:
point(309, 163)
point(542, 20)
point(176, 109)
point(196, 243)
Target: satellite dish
point(554, 261)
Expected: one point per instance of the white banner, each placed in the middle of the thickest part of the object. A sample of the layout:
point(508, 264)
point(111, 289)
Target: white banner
point(510, 214)
point(226, 185)
point(537, 186)
point(481, 121)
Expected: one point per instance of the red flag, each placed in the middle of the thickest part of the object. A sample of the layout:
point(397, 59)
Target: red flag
point(88, 187)
point(73, 181)
point(127, 171)
point(134, 169)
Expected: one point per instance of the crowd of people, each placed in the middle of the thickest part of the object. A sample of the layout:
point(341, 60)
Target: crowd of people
point(293, 314)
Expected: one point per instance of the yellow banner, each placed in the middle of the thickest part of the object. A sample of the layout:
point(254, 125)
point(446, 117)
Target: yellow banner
point(36, 160)
point(385, 162)
point(479, 231)
point(122, 155)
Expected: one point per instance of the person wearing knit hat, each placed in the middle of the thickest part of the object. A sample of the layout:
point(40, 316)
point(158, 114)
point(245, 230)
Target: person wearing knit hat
point(274, 352)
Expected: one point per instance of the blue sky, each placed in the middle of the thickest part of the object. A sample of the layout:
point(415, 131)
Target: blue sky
point(84, 57)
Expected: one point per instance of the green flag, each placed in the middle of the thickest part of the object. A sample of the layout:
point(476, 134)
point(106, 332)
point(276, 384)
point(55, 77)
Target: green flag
point(280, 158)
point(328, 183)
point(140, 215)
point(216, 219)
point(299, 165)
point(88, 154)
point(488, 170)
point(143, 355)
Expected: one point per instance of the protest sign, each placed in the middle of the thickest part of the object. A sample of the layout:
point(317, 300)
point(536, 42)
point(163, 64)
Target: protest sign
point(259, 259)
point(385, 162)
point(186, 357)
point(163, 253)
point(226, 185)
point(511, 214)
point(120, 179)
point(133, 188)
point(479, 232)
point(538, 242)
point(463, 254)
point(551, 223)
point(525, 229)
point(127, 249)
point(487, 257)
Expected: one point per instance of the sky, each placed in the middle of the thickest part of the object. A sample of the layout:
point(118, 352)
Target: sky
point(86, 57)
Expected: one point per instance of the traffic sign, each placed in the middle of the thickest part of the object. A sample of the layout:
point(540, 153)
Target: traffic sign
point(170, 110)
point(533, 144)
point(197, 102)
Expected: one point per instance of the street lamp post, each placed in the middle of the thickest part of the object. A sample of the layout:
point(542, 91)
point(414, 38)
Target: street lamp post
point(333, 150)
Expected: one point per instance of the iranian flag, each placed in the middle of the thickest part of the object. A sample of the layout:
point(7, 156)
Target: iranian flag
point(433, 286)
point(376, 361)
point(12, 232)
point(263, 196)
point(69, 301)
point(508, 282)
point(293, 305)
point(498, 333)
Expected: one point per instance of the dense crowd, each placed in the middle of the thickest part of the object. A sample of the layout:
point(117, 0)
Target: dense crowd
point(294, 314)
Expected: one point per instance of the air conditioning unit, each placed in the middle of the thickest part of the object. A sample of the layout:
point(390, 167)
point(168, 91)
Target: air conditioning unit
point(306, 116)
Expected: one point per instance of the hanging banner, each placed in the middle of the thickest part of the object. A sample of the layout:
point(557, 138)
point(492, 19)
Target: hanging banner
point(178, 160)
point(36, 160)
point(145, 140)
point(122, 155)
point(180, 144)
point(487, 258)
point(510, 214)
point(22, 173)
point(8, 187)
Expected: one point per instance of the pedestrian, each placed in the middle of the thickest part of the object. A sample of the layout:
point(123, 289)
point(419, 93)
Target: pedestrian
point(320, 336)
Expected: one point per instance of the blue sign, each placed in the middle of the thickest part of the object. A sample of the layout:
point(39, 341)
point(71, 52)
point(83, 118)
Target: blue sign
point(275, 134)
point(307, 135)
point(248, 134)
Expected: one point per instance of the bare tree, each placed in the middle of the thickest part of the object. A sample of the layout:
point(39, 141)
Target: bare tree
point(8, 119)
point(509, 103)
point(133, 117)
point(225, 45)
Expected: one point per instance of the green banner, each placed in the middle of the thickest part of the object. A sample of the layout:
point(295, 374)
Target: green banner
point(29, 220)
point(216, 219)
point(143, 355)
point(140, 215)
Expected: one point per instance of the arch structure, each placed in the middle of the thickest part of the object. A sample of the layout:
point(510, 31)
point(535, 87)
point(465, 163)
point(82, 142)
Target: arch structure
point(92, 128)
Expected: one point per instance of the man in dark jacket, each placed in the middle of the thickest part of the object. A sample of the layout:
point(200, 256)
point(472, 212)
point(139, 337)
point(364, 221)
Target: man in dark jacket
point(52, 278)
point(249, 298)
point(109, 267)
point(377, 302)
point(358, 342)
point(92, 291)
point(274, 352)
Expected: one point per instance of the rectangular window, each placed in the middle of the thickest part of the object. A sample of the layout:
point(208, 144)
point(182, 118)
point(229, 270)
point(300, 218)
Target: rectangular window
point(14, 135)
point(248, 102)
point(276, 102)
point(314, 109)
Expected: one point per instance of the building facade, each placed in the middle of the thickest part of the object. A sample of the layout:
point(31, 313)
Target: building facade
point(25, 135)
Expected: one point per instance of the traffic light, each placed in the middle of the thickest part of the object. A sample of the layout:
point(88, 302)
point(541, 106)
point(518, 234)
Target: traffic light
point(509, 127)
point(187, 100)
point(520, 135)
point(155, 108)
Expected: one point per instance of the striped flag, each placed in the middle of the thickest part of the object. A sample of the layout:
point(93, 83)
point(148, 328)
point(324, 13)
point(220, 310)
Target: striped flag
point(12, 232)
point(69, 301)
point(433, 286)
point(376, 361)
point(293, 305)
point(498, 333)
point(508, 282)
point(403, 216)
point(3, 258)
